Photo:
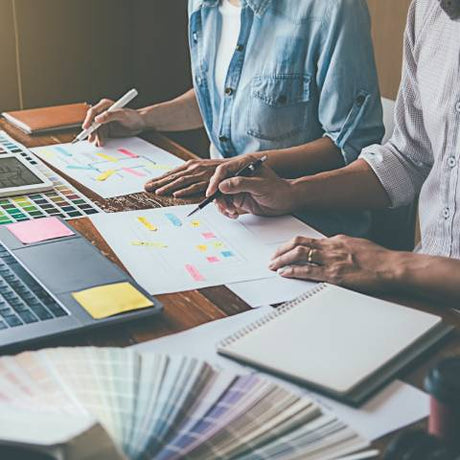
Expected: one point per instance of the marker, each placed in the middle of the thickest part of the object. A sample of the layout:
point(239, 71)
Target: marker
point(248, 171)
point(125, 100)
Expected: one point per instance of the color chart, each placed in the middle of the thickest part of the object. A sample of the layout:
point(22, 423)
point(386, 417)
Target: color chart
point(64, 201)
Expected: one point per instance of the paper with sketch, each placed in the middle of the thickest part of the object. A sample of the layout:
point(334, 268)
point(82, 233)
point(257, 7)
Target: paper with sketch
point(395, 407)
point(167, 252)
point(275, 290)
point(120, 167)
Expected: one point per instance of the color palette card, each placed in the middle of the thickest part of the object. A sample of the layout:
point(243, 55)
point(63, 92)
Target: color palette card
point(167, 407)
point(119, 168)
point(165, 251)
point(63, 201)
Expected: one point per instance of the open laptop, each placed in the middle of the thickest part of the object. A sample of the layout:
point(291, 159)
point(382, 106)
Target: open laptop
point(37, 282)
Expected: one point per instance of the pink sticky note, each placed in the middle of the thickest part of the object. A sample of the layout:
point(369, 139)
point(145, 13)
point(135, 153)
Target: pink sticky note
point(194, 273)
point(134, 172)
point(34, 231)
point(128, 153)
point(209, 236)
point(213, 260)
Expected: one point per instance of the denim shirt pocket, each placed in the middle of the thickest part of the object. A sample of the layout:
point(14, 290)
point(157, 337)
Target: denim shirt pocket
point(278, 106)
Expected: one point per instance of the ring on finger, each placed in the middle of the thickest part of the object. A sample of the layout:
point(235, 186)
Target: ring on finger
point(310, 256)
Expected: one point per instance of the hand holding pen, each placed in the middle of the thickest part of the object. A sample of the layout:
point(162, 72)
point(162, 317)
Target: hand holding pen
point(251, 192)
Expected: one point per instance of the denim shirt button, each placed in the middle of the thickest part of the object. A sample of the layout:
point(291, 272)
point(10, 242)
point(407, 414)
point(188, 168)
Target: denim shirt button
point(239, 47)
point(446, 213)
point(360, 100)
point(282, 99)
point(457, 106)
point(452, 162)
point(223, 138)
point(195, 37)
point(228, 91)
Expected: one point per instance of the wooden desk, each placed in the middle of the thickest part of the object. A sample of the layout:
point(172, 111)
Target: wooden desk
point(189, 309)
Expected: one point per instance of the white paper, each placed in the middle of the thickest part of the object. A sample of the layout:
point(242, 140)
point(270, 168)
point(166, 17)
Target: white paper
point(270, 291)
point(275, 290)
point(167, 252)
point(395, 407)
point(120, 167)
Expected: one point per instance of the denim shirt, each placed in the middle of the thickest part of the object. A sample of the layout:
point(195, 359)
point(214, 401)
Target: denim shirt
point(302, 69)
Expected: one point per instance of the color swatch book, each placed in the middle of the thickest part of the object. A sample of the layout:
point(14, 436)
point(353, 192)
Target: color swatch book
point(63, 201)
point(165, 251)
point(121, 167)
point(164, 407)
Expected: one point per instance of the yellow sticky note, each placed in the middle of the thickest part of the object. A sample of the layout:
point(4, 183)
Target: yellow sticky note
point(195, 223)
point(107, 157)
point(111, 299)
point(218, 245)
point(202, 247)
point(105, 175)
point(147, 224)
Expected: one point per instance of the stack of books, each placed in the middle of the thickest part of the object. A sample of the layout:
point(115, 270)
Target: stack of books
point(152, 406)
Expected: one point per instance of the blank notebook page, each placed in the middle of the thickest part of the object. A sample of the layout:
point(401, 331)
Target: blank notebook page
point(335, 339)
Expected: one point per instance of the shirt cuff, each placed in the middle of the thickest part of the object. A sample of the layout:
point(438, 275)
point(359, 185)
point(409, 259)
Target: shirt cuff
point(391, 173)
point(349, 153)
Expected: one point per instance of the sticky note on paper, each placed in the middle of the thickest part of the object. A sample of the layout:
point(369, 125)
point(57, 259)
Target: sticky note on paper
point(147, 224)
point(195, 223)
point(134, 172)
point(213, 259)
point(112, 299)
point(104, 156)
point(105, 175)
point(149, 244)
point(219, 245)
point(209, 236)
point(34, 231)
point(128, 153)
point(202, 248)
point(174, 219)
point(194, 273)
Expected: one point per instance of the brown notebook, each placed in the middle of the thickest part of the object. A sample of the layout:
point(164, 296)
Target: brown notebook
point(48, 119)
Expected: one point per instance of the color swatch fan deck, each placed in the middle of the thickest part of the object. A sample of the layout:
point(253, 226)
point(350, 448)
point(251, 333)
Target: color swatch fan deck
point(121, 167)
point(169, 407)
point(63, 201)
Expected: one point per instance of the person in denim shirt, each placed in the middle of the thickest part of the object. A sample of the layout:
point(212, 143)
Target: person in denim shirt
point(300, 84)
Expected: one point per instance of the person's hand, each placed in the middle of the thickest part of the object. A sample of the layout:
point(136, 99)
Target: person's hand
point(119, 123)
point(341, 260)
point(265, 194)
point(191, 178)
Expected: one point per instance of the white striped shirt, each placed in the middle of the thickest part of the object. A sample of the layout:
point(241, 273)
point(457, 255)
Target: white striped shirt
point(424, 153)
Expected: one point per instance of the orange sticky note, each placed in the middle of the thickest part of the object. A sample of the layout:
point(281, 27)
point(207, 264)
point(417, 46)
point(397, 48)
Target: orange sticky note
point(111, 299)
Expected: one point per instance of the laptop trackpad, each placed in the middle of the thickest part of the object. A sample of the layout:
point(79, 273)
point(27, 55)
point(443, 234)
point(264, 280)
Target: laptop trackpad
point(69, 265)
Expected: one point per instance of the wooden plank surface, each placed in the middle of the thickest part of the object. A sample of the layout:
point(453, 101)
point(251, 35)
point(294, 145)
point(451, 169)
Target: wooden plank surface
point(188, 309)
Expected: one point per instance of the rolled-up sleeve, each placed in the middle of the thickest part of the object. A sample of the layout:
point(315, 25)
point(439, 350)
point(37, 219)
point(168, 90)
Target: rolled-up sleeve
point(350, 109)
point(403, 164)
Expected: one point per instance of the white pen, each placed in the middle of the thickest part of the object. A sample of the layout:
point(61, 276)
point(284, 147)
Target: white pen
point(122, 102)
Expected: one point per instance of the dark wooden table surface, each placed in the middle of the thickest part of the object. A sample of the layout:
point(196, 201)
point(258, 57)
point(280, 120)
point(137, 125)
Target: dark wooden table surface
point(188, 309)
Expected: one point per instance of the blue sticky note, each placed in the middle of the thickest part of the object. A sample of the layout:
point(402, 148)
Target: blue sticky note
point(227, 253)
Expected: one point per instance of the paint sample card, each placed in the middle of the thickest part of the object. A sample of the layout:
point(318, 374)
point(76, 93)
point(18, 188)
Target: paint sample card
point(112, 299)
point(121, 167)
point(167, 252)
point(63, 201)
point(34, 231)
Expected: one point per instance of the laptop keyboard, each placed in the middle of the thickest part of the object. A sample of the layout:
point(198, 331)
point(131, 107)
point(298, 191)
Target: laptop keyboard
point(22, 299)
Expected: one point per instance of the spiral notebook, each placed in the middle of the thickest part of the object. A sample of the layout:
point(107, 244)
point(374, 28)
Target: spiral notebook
point(341, 343)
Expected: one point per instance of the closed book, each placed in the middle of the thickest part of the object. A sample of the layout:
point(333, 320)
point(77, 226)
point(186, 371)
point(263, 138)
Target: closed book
point(48, 119)
point(341, 343)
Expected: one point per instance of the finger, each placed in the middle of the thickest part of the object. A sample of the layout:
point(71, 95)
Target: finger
point(118, 115)
point(94, 111)
point(158, 184)
point(226, 170)
point(297, 241)
point(237, 185)
point(304, 272)
point(194, 189)
point(178, 184)
point(226, 207)
point(296, 256)
point(101, 135)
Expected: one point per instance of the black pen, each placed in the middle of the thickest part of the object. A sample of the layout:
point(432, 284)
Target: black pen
point(248, 171)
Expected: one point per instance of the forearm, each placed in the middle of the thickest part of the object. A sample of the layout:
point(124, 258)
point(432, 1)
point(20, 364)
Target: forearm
point(304, 160)
point(353, 187)
point(429, 277)
point(180, 114)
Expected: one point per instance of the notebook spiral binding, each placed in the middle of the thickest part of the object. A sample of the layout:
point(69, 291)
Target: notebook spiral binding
point(270, 317)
